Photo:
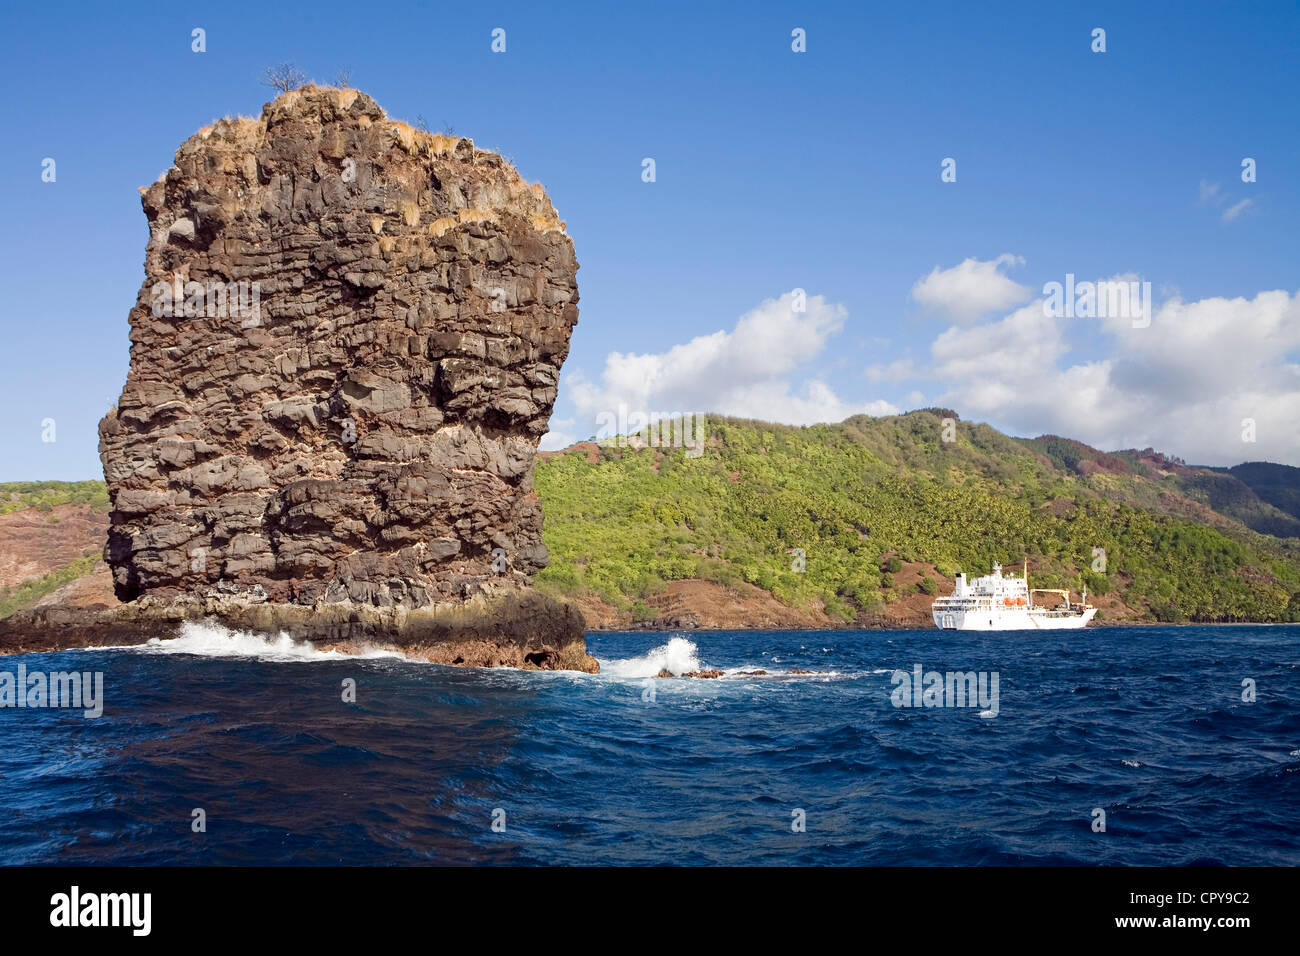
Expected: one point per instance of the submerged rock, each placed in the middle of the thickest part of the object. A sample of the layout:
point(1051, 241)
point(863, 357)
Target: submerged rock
point(344, 352)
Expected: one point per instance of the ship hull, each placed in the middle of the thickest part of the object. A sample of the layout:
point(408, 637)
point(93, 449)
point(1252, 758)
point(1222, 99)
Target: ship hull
point(1018, 620)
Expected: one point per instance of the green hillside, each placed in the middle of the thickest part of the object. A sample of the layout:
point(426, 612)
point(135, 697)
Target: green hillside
point(1261, 496)
point(1279, 485)
point(852, 494)
point(869, 495)
point(21, 495)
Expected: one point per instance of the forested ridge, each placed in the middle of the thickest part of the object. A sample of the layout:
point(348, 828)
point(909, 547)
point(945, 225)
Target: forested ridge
point(864, 495)
point(824, 518)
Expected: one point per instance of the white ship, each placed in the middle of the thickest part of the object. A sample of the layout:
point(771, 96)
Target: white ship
point(1000, 602)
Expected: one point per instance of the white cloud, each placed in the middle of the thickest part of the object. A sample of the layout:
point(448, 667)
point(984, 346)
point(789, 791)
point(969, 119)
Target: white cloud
point(1212, 195)
point(897, 371)
point(746, 372)
point(560, 435)
point(1236, 209)
point(816, 402)
point(969, 290)
point(1182, 385)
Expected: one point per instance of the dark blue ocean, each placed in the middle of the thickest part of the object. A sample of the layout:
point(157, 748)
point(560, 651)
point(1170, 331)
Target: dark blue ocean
point(1147, 724)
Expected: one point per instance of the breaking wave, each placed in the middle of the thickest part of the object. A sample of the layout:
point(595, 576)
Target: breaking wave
point(679, 656)
point(210, 639)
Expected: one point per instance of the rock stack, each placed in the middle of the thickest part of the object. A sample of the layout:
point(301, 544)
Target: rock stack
point(344, 352)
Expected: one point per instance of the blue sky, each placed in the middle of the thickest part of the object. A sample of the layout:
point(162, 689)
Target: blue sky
point(775, 170)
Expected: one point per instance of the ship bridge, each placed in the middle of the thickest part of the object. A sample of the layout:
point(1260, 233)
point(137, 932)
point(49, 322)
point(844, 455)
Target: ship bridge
point(996, 589)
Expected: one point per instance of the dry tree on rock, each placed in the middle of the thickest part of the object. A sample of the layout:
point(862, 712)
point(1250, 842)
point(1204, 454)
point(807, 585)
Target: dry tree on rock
point(284, 77)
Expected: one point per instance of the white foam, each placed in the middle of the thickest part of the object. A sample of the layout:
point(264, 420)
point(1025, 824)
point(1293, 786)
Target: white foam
point(747, 673)
point(211, 639)
point(679, 656)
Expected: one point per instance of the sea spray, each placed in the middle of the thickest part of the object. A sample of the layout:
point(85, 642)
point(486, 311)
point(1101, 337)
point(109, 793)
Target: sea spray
point(212, 639)
point(679, 656)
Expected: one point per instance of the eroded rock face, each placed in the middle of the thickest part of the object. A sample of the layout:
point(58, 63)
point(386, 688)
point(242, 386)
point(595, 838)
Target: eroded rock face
point(364, 411)
point(344, 353)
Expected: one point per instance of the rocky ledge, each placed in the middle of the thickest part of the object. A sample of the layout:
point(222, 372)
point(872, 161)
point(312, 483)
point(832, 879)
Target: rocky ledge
point(344, 352)
point(524, 630)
